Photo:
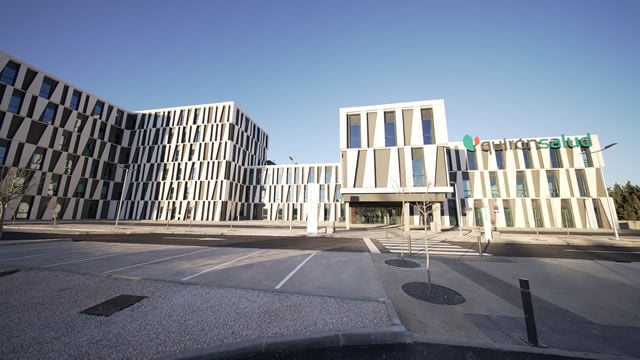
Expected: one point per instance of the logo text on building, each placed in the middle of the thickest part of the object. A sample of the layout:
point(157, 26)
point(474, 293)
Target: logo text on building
point(527, 144)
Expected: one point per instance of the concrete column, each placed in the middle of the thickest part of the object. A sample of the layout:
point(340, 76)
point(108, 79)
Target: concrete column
point(436, 224)
point(347, 215)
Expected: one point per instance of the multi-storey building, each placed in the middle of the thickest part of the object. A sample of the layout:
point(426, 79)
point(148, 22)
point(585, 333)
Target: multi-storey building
point(209, 163)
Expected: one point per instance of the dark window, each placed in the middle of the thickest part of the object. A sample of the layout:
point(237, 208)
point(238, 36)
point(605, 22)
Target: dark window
point(81, 188)
point(49, 114)
point(89, 148)
point(54, 184)
point(93, 173)
point(65, 140)
point(75, 100)
point(552, 181)
point(526, 154)
point(586, 157)
point(4, 148)
point(471, 160)
point(105, 191)
point(417, 164)
point(582, 183)
point(556, 160)
point(101, 130)
point(16, 101)
point(353, 126)
point(97, 109)
point(493, 180)
point(500, 159)
point(48, 85)
point(389, 128)
point(427, 126)
point(521, 184)
point(9, 73)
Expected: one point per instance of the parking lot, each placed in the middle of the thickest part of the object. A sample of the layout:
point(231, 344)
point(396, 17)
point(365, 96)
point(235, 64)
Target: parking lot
point(297, 271)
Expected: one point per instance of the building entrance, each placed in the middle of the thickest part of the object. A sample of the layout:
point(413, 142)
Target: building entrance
point(376, 215)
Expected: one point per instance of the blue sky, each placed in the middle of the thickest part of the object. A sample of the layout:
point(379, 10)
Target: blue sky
point(506, 69)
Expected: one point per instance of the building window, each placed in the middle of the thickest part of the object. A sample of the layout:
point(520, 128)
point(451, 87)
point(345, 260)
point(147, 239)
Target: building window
point(338, 194)
point(556, 160)
point(68, 166)
point(567, 217)
point(323, 194)
point(586, 157)
point(466, 185)
point(81, 188)
point(105, 191)
point(493, 180)
point(296, 176)
point(9, 73)
point(47, 87)
point(102, 130)
point(389, 128)
point(312, 175)
point(16, 101)
point(353, 127)
point(582, 183)
point(49, 114)
point(37, 159)
point(552, 181)
point(4, 148)
point(89, 148)
point(526, 155)
point(93, 172)
point(471, 160)
point(537, 215)
point(500, 159)
point(54, 183)
point(327, 175)
point(521, 184)
point(75, 100)
point(417, 164)
point(97, 109)
point(427, 125)
point(477, 212)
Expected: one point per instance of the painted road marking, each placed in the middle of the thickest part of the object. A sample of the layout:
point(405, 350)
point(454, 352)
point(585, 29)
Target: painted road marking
point(29, 249)
point(45, 254)
point(81, 260)
point(155, 261)
point(372, 247)
point(294, 271)
point(192, 238)
point(605, 251)
point(221, 265)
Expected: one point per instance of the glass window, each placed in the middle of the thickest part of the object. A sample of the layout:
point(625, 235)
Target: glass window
point(323, 193)
point(37, 159)
point(466, 185)
point(94, 169)
point(296, 177)
point(68, 166)
point(556, 160)
point(75, 100)
point(89, 148)
point(582, 183)
point(353, 124)
point(471, 160)
point(427, 125)
point(389, 128)
point(81, 188)
point(54, 183)
point(500, 159)
point(537, 215)
point(417, 164)
point(312, 175)
point(16, 101)
point(105, 191)
point(521, 184)
point(586, 157)
point(552, 181)
point(47, 87)
point(102, 130)
point(493, 180)
point(4, 148)
point(327, 175)
point(338, 193)
point(49, 114)
point(97, 109)
point(526, 155)
point(9, 73)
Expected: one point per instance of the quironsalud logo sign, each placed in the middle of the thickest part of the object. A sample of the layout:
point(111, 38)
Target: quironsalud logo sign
point(545, 143)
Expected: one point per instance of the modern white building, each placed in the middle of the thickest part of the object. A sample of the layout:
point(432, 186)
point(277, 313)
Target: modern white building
point(209, 163)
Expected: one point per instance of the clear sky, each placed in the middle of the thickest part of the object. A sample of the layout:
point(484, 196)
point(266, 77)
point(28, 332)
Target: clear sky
point(506, 69)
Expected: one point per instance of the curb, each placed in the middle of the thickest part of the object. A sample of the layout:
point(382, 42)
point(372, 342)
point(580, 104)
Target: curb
point(390, 335)
point(20, 242)
point(512, 348)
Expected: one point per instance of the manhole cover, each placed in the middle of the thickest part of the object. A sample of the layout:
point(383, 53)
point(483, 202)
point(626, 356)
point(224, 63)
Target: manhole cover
point(403, 263)
point(434, 294)
point(113, 305)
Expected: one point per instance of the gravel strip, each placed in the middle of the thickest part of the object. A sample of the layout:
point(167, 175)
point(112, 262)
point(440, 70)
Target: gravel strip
point(39, 312)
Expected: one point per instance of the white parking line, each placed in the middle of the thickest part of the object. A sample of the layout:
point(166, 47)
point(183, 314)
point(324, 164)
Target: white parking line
point(221, 265)
point(155, 261)
point(3, 251)
point(294, 271)
point(45, 254)
point(81, 260)
point(605, 251)
point(372, 247)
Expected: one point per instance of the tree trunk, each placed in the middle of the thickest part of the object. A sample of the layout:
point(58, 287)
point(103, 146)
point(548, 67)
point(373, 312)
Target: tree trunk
point(2, 206)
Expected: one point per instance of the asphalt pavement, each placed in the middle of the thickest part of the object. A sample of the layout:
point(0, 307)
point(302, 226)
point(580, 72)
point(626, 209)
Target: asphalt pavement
point(211, 301)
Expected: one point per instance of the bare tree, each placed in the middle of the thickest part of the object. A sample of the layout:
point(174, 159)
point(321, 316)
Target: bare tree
point(14, 183)
point(425, 207)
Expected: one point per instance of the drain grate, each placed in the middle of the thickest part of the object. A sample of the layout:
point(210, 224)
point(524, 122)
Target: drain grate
point(112, 306)
point(434, 294)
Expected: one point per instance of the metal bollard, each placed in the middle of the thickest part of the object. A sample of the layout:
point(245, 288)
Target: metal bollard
point(527, 307)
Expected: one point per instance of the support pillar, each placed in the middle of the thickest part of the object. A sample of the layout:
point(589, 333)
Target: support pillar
point(347, 215)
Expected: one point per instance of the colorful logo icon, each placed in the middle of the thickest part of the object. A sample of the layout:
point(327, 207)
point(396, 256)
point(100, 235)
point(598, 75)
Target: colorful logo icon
point(470, 143)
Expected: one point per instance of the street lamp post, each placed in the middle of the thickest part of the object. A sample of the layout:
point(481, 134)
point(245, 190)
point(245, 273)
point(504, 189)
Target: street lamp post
point(124, 187)
point(614, 219)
